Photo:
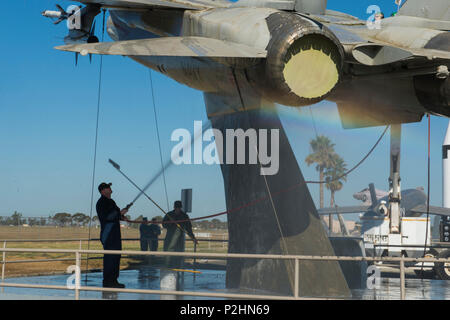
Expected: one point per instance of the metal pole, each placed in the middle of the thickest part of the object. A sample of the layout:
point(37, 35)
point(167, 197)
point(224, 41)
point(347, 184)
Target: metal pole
point(195, 251)
point(394, 179)
point(297, 278)
point(330, 223)
point(402, 280)
point(3, 266)
point(77, 275)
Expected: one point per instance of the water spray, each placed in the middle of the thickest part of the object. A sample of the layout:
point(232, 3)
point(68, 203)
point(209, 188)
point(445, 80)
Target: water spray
point(168, 163)
point(117, 167)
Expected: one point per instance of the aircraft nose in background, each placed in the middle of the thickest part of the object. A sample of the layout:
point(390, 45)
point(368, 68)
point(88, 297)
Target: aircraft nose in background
point(361, 195)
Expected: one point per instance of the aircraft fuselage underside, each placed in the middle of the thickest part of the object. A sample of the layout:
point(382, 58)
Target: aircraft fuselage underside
point(363, 100)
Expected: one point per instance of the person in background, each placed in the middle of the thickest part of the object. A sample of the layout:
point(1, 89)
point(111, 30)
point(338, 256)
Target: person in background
point(155, 233)
point(145, 231)
point(175, 236)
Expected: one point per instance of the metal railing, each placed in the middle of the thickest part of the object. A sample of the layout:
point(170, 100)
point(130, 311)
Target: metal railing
point(296, 258)
point(433, 245)
point(5, 242)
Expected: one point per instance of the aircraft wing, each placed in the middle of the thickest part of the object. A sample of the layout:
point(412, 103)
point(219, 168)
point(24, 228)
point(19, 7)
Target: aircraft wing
point(146, 4)
point(170, 46)
point(381, 53)
point(384, 60)
point(421, 209)
point(343, 210)
point(397, 39)
point(372, 51)
point(439, 211)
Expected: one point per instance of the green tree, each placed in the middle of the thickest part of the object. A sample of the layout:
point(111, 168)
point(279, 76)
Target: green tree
point(86, 221)
point(202, 225)
point(43, 221)
point(322, 155)
point(95, 220)
point(80, 218)
point(216, 223)
point(334, 177)
point(16, 218)
point(62, 218)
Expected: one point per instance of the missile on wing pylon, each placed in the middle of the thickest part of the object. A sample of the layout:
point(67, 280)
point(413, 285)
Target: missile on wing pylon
point(52, 14)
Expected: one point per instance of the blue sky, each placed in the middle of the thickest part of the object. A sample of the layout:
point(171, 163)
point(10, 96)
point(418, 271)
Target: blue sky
point(47, 127)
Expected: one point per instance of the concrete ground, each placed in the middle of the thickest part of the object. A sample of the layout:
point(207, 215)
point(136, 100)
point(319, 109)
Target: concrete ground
point(146, 277)
point(212, 279)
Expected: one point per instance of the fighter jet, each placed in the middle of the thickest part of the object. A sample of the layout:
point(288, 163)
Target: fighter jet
point(413, 204)
point(364, 195)
point(250, 55)
point(289, 52)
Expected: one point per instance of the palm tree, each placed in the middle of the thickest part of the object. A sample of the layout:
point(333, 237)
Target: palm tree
point(322, 155)
point(334, 176)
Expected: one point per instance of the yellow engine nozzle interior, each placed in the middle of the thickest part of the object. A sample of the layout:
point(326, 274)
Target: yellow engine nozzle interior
point(312, 66)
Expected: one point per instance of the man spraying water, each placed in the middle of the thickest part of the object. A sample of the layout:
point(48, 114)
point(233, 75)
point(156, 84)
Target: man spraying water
point(109, 216)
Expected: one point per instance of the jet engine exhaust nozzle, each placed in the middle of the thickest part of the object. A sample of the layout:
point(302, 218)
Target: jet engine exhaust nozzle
point(304, 61)
point(309, 69)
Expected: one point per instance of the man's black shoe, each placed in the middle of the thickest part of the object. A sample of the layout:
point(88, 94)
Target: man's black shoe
point(119, 285)
point(113, 284)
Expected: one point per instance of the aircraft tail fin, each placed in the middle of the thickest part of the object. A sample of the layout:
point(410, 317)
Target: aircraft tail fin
point(429, 9)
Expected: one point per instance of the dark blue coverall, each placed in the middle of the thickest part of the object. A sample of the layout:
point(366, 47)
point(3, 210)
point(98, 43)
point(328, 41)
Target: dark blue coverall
point(149, 237)
point(109, 216)
point(156, 231)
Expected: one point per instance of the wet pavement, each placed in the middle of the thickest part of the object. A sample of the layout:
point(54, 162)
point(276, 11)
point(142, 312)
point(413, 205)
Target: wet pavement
point(416, 289)
point(148, 277)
